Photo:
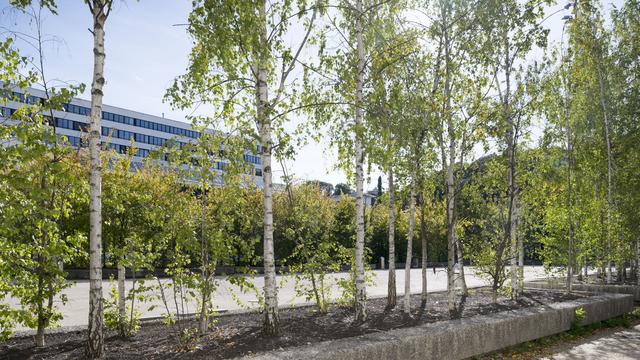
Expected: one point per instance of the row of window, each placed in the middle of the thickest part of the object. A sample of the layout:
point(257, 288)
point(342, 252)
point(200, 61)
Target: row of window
point(85, 111)
point(128, 135)
point(123, 149)
point(252, 159)
point(120, 134)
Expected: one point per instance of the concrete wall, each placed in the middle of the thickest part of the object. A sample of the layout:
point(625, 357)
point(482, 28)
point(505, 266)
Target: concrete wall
point(459, 339)
point(593, 288)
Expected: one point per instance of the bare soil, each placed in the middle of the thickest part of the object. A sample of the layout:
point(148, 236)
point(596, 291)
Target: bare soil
point(236, 335)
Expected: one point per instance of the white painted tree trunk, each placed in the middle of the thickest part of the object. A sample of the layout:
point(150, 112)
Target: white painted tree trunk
point(407, 267)
point(95, 344)
point(391, 286)
point(360, 295)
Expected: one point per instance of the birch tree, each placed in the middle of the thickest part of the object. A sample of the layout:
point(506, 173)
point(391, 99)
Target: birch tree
point(626, 92)
point(344, 83)
point(458, 87)
point(394, 105)
point(100, 10)
point(515, 28)
point(241, 56)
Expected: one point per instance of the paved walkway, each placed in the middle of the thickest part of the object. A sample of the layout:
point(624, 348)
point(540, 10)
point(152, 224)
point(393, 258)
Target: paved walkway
point(621, 345)
point(229, 297)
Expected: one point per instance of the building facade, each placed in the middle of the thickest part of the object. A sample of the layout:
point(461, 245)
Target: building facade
point(120, 127)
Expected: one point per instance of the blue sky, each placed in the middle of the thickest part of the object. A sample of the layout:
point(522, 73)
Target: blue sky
point(145, 52)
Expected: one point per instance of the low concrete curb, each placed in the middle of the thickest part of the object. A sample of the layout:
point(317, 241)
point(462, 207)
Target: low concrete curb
point(592, 288)
point(463, 338)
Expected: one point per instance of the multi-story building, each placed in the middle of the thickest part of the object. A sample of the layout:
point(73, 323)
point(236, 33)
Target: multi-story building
point(120, 126)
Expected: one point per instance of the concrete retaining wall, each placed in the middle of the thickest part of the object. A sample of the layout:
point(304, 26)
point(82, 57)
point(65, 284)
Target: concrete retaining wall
point(592, 288)
point(459, 339)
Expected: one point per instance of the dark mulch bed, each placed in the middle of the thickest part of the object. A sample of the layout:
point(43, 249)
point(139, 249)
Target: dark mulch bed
point(240, 334)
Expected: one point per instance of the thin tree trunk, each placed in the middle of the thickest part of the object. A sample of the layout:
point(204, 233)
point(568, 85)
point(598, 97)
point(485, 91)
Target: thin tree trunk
point(407, 267)
point(122, 306)
point(461, 278)
point(423, 241)
point(41, 319)
point(360, 295)
point(513, 257)
point(520, 248)
point(605, 114)
point(459, 248)
point(638, 260)
point(40, 271)
point(570, 263)
point(129, 324)
point(203, 322)
point(391, 286)
point(95, 347)
point(450, 180)
point(271, 318)
point(510, 228)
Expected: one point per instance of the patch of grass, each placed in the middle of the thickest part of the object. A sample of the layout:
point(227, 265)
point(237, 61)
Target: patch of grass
point(540, 347)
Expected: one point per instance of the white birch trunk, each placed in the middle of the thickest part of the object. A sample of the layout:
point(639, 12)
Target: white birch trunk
point(271, 318)
point(510, 228)
point(423, 240)
point(360, 295)
point(605, 114)
point(407, 267)
point(638, 261)
point(520, 241)
point(570, 263)
point(448, 167)
point(391, 286)
point(95, 344)
point(203, 321)
point(513, 256)
point(122, 304)
point(461, 278)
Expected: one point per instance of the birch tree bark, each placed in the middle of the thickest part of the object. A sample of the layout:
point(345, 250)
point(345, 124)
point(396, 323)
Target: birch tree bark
point(448, 165)
point(271, 318)
point(570, 265)
point(423, 241)
point(407, 267)
point(637, 260)
point(360, 295)
point(122, 308)
point(520, 242)
point(203, 321)
point(391, 286)
point(95, 347)
point(607, 135)
point(511, 135)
